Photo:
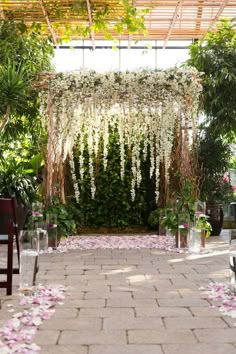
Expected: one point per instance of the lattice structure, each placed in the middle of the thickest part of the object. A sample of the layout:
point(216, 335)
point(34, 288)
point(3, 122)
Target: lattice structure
point(167, 19)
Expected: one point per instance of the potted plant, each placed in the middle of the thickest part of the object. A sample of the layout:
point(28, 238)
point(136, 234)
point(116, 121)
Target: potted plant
point(179, 213)
point(202, 226)
point(59, 216)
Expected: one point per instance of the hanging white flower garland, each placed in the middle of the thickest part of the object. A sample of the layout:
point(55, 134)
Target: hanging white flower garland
point(143, 105)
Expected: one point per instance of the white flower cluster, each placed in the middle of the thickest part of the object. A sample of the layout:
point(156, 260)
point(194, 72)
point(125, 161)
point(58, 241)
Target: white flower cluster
point(143, 105)
point(73, 175)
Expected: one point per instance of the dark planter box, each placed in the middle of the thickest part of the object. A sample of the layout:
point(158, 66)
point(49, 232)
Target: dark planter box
point(216, 217)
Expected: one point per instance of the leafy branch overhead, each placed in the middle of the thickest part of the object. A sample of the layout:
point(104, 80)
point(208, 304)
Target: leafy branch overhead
point(85, 18)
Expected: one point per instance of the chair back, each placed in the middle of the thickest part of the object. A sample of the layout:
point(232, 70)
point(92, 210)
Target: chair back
point(8, 211)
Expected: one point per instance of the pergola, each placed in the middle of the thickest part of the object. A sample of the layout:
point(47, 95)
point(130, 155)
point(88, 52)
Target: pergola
point(166, 19)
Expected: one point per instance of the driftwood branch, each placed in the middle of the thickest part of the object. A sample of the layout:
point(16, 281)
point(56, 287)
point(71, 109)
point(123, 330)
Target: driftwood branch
point(91, 22)
point(53, 33)
point(179, 4)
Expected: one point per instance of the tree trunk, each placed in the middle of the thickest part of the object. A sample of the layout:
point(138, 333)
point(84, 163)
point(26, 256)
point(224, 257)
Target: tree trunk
point(49, 158)
point(6, 119)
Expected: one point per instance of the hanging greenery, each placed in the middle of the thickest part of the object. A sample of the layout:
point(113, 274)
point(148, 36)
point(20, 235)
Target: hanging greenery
point(143, 105)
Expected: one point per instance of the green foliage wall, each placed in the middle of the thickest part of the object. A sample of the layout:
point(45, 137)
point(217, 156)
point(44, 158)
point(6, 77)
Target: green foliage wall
point(215, 57)
point(23, 53)
point(112, 206)
point(213, 161)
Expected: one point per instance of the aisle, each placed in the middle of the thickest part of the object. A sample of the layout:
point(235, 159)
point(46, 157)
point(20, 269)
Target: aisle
point(143, 301)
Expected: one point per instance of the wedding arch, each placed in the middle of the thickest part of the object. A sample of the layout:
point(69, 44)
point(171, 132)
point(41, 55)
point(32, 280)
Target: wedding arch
point(145, 106)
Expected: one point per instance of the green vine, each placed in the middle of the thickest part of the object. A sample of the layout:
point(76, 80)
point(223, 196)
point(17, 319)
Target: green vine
point(108, 19)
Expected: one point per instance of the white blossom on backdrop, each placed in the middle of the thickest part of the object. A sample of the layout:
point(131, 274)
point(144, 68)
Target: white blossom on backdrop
point(143, 105)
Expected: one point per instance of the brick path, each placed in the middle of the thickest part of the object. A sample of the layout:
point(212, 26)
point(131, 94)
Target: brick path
point(134, 302)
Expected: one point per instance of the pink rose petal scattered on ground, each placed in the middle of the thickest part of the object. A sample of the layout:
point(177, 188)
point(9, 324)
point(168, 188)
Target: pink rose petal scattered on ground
point(17, 334)
point(164, 243)
point(220, 293)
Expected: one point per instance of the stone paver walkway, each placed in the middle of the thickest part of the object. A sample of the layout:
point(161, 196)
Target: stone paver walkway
point(134, 302)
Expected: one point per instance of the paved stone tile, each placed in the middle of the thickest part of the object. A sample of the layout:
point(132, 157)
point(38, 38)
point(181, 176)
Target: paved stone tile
point(180, 283)
point(190, 293)
point(62, 312)
point(108, 295)
point(136, 278)
point(90, 287)
point(60, 277)
point(108, 261)
point(187, 302)
point(73, 324)
point(133, 288)
point(197, 276)
point(62, 349)
point(47, 337)
point(93, 337)
point(168, 294)
point(145, 294)
point(91, 276)
point(227, 335)
point(106, 312)
point(106, 282)
point(73, 294)
point(167, 276)
point(84, 303)
point(132, 323)
point(199, 348)
point(163, 312)
point(206, 312)
point(84, 267)
point(160, 336)
point(125, 349)
point(131, 303)
point(119, 268)
point(52, 266)
point(179, 270)
point(195, 322)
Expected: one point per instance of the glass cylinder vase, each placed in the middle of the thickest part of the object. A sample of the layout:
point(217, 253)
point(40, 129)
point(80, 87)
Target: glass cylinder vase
point(37, 214)
point(199, 221)
point(232, 260)
point(43, 236)
point(51, 221)
point(29, 262)
point(183, 230)
point(194, 240)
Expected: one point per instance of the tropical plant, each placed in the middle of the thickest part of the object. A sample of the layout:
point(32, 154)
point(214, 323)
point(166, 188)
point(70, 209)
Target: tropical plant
point(23, 53)
point(14, 91)
point(180, 209)
point(213, 162)
point(215, 57)
point(16, 180)
point(154, 218)
point(25, 46)
point(65, 218)
point(201, 223)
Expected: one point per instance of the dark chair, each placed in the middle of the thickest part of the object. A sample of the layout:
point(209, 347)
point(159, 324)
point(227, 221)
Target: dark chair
point(9, 232)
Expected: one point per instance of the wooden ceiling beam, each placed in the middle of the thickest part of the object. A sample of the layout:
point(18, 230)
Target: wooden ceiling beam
point(199, 14)
point(193, 17)
point(172, 22)
point(215, 19)
point(51, 29)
